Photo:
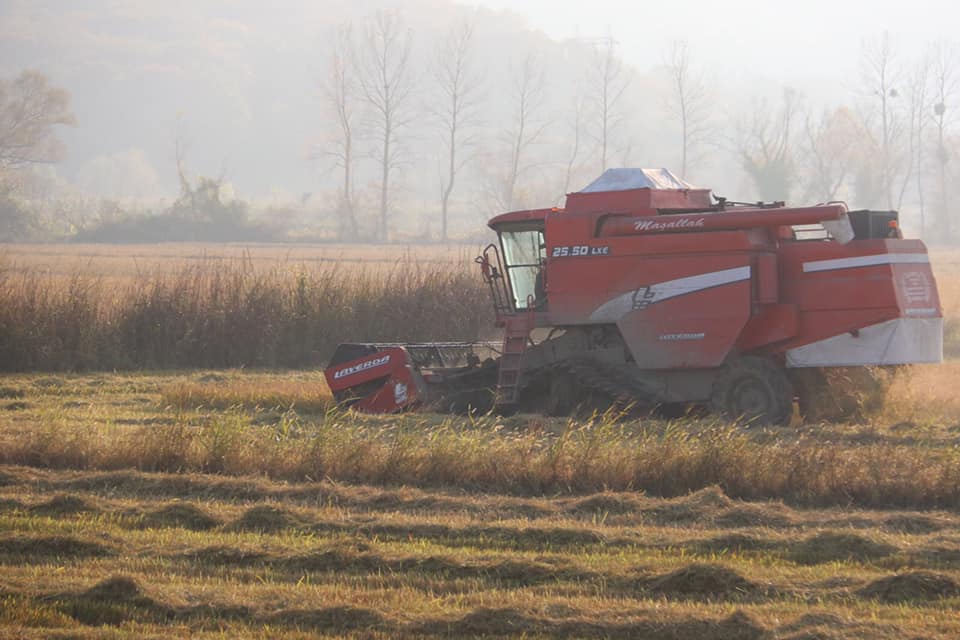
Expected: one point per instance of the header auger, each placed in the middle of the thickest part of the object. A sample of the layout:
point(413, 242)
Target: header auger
point(643, 290)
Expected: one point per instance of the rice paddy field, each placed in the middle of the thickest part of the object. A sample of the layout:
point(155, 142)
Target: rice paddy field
point(241, 503)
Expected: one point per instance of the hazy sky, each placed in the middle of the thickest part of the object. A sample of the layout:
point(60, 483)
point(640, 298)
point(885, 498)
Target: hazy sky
point(810, 41)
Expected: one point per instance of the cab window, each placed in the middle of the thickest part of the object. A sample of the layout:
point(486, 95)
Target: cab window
point(524, 252)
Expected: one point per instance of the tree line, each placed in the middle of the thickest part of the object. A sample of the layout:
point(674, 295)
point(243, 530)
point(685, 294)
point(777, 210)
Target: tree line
point(891, 145)
point(513, 133)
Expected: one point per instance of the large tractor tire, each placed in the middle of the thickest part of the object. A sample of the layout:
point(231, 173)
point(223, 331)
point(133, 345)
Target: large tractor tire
point(753, 391)
point(841, 394)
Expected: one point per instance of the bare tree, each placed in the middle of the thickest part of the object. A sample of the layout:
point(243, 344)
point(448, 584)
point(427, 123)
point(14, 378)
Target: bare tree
point(340, 94)
point(460, 86)
point(946, 87)
point(526, 127)
point(576, 125)
point(829, 152)
point(919, 118)
point(610, 83)
point(881, 77)
point(30, 111)
point(689, 103)
point(387, 86)
point(180, 146)
point(764, 145)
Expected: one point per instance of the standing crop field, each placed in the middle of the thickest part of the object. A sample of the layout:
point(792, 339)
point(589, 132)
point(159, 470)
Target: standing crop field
point(228, 497)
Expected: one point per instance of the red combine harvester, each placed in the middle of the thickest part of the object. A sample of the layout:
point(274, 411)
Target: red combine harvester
point(643, 289)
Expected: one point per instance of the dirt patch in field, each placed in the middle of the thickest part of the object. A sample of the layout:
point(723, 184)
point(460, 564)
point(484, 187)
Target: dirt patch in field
point(117, 588)
point(937, 556)
point(605, 503)
point(11, 393)
point(829, 626)
point(487, 622)
point(113, 601)
point(49, 383)
point(212, 378)
point(521, 538)
point(698, 581)
point(497, 622)
point(332, 560)
point(10, 504)
point(223, 555)
point(912, 586)
point(64, 505)
point(52, 547)
point(913, 524)
point(700, 506)
point(155, 485)
point(537, 538)
point(771, 516)
point(515, 572)
point(181, 515)
point(833, 546)
point(331, 618)
point(733, 542)
point(268, 519)
point(19, 405)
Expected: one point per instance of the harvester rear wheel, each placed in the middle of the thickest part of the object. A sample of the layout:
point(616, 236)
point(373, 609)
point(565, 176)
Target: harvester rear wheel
point(753, 390)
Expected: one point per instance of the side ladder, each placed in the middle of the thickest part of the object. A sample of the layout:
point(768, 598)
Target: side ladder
point(516, 337)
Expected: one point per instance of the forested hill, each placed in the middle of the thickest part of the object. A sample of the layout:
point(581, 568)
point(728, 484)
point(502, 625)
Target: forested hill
point(240, 79)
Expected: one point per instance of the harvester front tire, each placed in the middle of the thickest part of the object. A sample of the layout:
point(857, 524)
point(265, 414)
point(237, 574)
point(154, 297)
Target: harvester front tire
point(753, 391)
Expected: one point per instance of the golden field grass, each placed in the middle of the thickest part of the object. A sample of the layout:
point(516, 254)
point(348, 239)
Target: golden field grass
point(130, 261)
point(241, 504)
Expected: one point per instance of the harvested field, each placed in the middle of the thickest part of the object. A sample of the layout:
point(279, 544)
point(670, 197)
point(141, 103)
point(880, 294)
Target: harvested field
point(131, 508)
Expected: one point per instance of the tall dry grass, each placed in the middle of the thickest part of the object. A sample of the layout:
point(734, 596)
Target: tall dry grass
point(596, 455)
point(227, 315)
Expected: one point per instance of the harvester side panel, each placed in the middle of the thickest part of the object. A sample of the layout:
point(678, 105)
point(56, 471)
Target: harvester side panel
point(660, 309)
point(869, 302)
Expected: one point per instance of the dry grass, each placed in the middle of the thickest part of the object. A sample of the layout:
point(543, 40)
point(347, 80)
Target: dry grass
point(303, 393)
point(327, 559)
point(134, 261)
point(282, 426)
point(221, 315)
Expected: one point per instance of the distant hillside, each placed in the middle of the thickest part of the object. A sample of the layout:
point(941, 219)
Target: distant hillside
point(239, 81)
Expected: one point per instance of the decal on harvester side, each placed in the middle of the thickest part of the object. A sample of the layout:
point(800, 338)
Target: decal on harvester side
point(675, 337)
point(916, 287)
point(865, 261)
point(669, 225)
point(644, 296)
point(579, 251)
point(917, 290)
point(363, 366)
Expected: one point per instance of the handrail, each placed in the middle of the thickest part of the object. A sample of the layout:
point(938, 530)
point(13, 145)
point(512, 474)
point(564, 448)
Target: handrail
point(494, 277)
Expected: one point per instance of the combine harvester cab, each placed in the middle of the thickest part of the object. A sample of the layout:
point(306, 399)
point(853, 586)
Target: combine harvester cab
point(646, 290)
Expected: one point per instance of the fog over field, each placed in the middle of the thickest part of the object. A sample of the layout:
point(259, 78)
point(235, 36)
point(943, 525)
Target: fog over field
point(802, 102)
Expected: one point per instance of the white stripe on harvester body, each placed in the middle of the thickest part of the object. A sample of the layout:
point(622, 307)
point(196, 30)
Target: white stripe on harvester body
point(615, 308)
point(866, 261)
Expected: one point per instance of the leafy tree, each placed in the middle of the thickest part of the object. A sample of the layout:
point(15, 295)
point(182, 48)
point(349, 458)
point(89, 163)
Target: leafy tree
point(30, 111)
